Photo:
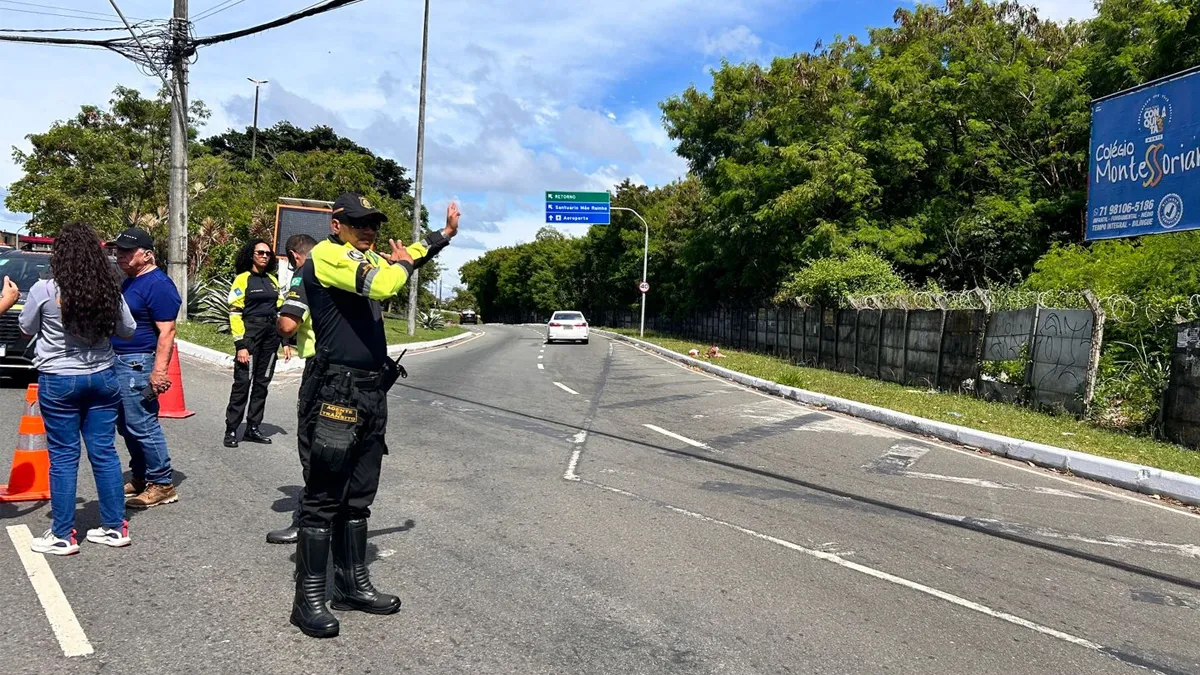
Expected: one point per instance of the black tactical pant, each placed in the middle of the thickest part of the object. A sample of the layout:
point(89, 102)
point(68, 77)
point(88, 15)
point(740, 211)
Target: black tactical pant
point(343, 419)
point(262, 341)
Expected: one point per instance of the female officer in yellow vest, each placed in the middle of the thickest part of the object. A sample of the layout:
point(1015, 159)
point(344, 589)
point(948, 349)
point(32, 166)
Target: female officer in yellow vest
point(254, 302)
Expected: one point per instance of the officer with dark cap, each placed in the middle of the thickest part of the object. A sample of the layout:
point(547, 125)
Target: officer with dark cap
point(344, 423)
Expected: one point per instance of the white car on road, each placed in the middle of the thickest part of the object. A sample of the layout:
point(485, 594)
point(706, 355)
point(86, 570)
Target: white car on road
point(567, 326)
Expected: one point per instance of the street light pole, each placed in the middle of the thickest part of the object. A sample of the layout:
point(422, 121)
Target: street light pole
point(414, 286)
point(645, 262)
point(254, 129)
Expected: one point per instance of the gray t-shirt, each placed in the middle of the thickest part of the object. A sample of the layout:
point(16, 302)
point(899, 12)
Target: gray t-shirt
point(60, 353)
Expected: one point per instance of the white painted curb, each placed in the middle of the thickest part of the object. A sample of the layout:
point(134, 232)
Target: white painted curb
point(222, 359)
point(1128, 475)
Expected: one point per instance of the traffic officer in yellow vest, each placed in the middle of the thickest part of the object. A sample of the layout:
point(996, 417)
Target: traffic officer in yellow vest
point(344, 281)
point(253, 307)
point(295, 325)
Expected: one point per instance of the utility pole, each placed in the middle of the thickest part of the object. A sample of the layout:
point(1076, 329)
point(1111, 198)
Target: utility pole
point(177, 247)
point(254, 129)
point(414, 284)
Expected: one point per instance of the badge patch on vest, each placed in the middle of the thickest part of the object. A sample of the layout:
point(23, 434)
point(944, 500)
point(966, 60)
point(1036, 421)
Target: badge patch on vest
point(356, 255)
point(339, 413)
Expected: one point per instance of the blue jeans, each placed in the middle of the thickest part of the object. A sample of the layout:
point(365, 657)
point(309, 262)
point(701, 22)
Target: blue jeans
point(137, 421)
point(82, 404)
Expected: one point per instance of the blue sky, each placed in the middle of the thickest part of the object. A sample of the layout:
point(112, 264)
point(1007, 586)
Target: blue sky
point(524, 96)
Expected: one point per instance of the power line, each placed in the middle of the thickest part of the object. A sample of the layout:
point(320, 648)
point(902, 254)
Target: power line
point(213, 11)
point(65, 16)
point(149, 59)
point(60, 30)
point(102, 15)
point(319, 8)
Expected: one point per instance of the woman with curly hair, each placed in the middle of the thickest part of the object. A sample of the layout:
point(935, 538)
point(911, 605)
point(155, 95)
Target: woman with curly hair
point(254, 302)
point(74, 315)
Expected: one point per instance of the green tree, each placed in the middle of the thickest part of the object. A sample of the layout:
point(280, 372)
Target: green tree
point(108, 167)
point(389, 177)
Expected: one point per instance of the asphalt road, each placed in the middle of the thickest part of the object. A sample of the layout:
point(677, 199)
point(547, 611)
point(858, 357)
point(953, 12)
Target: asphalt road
point(596, 509)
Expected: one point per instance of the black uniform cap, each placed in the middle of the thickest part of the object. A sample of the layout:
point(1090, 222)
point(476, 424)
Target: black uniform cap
point(352, 208)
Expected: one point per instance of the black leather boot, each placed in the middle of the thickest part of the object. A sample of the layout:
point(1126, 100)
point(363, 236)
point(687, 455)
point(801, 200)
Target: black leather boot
point(352, 587)
point(309, 612)
point(231, 439)
point(253, 435)
point(287, 535)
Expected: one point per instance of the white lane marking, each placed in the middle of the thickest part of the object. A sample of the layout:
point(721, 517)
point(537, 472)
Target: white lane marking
point(541, 367)
point(452, 345)
point(993, 485)
point(1183, 550)
point(977, 454)
point(574, 463)
point(901, 457)
point(839, 425)
point(58, 611)
point(565, 388)
point(672, 434)
point(877, 574)
point(541, 356)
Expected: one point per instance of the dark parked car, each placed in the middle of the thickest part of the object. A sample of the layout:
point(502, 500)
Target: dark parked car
point(468, 316)
point(25, 268)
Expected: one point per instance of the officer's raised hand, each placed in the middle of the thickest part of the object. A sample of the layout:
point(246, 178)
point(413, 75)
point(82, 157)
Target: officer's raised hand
point(399, 253)
point(452, 216)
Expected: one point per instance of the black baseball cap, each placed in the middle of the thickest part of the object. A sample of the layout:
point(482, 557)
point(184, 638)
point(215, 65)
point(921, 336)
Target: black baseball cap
point(354, 208)
point(134, 238)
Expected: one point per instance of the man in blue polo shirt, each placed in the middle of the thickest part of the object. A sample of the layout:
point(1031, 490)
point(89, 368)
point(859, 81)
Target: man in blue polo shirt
point(141, 369)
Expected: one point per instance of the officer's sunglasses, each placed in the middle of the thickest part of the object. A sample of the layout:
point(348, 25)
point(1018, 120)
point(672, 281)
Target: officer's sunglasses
point(263, 252)
point(362, 224)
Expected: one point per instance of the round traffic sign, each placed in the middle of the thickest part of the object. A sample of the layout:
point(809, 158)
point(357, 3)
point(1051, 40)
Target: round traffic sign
point(644, 287)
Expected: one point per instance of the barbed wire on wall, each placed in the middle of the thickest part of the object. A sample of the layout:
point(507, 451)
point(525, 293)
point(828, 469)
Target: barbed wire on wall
point(1117, 308)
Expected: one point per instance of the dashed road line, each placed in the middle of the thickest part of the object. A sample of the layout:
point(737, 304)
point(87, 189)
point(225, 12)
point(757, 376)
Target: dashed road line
point(541, 367)
point(672, 434)
point(579, 440)
point(58, 611)
point(565, 388)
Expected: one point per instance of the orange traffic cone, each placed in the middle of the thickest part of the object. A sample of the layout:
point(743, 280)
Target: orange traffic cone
point(29, 479)
point(170, 404)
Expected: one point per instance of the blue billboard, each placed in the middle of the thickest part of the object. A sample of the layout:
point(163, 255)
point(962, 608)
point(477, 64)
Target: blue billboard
point(1144, 166)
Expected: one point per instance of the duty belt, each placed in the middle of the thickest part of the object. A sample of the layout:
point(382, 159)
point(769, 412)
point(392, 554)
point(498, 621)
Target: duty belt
point(364, 380)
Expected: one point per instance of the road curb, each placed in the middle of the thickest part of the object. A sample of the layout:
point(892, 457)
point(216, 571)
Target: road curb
point(1128, 475)
point(213, 356)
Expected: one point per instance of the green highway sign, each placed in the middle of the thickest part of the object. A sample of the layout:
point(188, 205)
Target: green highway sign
point(580, 208)
point(577, 197)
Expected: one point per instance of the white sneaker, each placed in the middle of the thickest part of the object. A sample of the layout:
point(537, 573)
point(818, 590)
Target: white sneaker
point(110, 537)
point(48, 543)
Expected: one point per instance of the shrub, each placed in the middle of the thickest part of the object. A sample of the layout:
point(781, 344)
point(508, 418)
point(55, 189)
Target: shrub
point(828, 281)
point(208, 302)
point(431, 320)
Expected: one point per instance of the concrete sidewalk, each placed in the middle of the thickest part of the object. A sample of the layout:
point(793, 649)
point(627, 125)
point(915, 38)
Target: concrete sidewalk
point(1136, 477)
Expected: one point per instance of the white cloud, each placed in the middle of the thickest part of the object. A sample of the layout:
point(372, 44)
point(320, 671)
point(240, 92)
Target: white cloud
point(736, 43)
point(1063, 10)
